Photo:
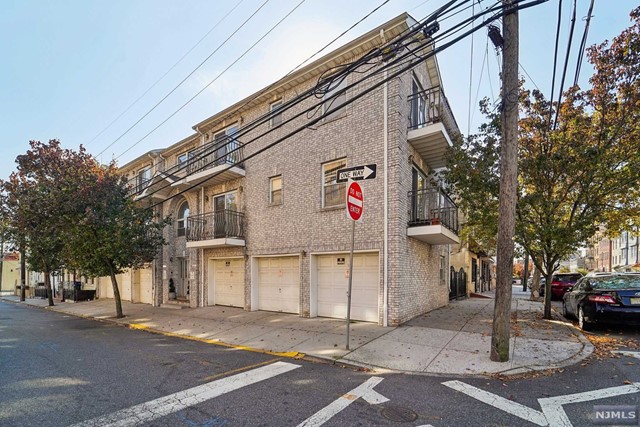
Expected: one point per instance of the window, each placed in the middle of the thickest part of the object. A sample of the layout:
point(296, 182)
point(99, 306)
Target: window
point(225, 144)
point(183, 215)
point(227, 201)
point(144, 176)
point(275, 190)
point(330, 104)
point(182, 158)
point(443, 265)
point(333, 193)
point(276, 117)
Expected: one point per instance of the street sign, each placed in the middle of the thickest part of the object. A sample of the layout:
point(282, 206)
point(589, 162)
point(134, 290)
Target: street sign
point(356, 173)
point(355, 201)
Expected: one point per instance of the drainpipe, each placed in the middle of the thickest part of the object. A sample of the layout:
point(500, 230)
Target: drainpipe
point(201, 253)
point(385, 139)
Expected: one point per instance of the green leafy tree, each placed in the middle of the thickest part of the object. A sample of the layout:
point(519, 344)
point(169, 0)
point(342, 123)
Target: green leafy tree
point(38, 199)
point(572, 177)
point(112, 232)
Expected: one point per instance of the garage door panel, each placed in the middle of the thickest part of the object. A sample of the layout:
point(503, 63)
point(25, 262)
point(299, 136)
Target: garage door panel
point(279, 284)
point(333, 283)
point(228, 282)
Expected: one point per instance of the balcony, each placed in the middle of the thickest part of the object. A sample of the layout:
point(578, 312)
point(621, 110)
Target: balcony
point(433, 218)
point(431, 125)
point(213, 163)
point(218, 229)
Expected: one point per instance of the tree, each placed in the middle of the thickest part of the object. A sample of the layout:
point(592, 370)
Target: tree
point(573, 176)
point(112, 233)
point(37, 198)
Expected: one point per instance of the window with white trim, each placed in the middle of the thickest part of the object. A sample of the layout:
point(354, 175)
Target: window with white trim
point(330, 104)
point(276, 117)
point(144, 175)
point(183, 215)
point(333, 193)
point(275, 190)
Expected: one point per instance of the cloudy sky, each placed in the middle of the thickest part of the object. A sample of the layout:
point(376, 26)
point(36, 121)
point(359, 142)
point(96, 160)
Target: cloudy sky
point(70, 68)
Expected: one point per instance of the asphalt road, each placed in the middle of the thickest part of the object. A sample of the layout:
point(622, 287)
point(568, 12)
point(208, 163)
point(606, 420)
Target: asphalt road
point(58, 370)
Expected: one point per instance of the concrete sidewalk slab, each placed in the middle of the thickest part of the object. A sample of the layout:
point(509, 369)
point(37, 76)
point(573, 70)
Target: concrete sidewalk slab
point(455, 339)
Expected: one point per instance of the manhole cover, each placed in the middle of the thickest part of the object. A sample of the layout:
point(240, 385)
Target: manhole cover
point(399, 414)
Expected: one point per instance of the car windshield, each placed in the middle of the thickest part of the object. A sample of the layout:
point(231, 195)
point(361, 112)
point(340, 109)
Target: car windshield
point(566, 278)
point(615, 282)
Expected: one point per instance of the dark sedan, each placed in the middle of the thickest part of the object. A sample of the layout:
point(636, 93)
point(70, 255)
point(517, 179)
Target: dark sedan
point(612, 298)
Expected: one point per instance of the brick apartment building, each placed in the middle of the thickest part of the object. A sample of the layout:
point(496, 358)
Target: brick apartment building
point(267, 230)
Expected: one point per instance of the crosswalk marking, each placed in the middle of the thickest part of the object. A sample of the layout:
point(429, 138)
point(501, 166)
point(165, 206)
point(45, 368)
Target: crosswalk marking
point(364, 391)
point(154, 409)
point(552, 412)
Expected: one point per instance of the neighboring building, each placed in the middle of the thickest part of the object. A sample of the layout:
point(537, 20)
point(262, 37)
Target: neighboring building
point(269, 232)
point(10, 279)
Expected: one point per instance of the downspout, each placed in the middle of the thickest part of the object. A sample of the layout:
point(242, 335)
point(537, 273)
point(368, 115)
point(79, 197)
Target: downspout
point(201, 253)
point(385, 139)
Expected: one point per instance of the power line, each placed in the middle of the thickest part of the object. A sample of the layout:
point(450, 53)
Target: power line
point(583, 44)
point(214, 80)
point(314, 91)
point(187, 77)
point(566, 61)
point(555, 62)
point(353, 99)
point(166, 73)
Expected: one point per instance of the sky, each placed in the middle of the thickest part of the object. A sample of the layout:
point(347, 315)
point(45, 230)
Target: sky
point(70, 68)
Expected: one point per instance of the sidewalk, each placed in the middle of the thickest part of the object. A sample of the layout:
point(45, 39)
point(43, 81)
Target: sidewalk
point(451, 340)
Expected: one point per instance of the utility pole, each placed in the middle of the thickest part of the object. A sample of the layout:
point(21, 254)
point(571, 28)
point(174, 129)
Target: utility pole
point(23, 272)
point(508, 184)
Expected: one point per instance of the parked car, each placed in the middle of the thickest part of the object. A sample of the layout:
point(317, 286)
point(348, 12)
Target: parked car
point(612, 298)
point(560, 282)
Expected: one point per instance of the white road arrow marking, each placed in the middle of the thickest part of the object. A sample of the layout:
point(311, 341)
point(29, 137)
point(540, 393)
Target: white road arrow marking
point(552, 412)
point(154, 409)
point(364, 391)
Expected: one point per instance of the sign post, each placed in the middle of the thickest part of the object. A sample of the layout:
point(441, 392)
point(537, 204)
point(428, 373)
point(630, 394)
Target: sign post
point(355, 209)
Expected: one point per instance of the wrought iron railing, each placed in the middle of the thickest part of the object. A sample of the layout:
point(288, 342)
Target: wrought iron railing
point(215, 225)
point(432, 206)
point(431, 106)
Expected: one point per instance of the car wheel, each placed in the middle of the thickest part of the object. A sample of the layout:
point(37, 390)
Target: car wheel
point(582, 323)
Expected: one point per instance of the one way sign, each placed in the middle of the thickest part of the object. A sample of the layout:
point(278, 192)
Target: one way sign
point(356, 173)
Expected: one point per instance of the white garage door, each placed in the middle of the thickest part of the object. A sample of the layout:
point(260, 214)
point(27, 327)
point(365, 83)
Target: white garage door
point(145, 281)
point(227, 286)
point(333, 281)
point(279, 284)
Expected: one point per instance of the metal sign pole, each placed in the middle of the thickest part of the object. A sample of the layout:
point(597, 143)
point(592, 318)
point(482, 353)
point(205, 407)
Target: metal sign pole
point(353, 233)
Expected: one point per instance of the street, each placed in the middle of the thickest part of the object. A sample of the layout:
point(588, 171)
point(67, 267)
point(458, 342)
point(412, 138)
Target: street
point(59, 370)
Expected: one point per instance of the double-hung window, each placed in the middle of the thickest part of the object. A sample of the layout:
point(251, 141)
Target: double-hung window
point(184, 157)
point(275, 190)
point(333, 193)
point(183, 216)
point(331, 103)
point(144, 176)
point(276, 113)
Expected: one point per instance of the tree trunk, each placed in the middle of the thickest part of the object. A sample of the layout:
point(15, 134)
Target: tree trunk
point(23, 274)
point(547, 292)
point(62, 287)
point(116, 292)
point(47, 285)
point(535, 284)
point(508, 183)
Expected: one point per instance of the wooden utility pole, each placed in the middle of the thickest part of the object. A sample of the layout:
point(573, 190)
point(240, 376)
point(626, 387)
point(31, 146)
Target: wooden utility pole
point(508, 185)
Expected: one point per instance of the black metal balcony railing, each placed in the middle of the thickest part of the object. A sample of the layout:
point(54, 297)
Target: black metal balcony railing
point(428, 107)
point(431, 206)
point(223, 152)
point(215, 225)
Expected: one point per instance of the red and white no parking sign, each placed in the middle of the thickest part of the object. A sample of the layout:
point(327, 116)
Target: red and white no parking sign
point(355, 201)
